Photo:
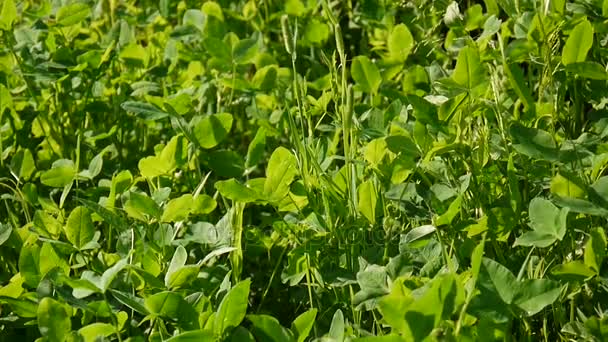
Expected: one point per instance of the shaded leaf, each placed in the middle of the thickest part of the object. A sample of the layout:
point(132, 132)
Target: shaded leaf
point(366, 74)
point(22, 164)
point(142, 207)
point(469, 71)
point(588, 69)
point(212, 129)
point(268, 328)
point(534, 143)
point(595, 249)
point(244, 51)
point(146, 111)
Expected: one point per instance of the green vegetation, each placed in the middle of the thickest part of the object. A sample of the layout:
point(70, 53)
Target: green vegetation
point(303, 170)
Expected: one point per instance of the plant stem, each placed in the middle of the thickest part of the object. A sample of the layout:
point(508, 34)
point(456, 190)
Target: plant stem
point(236, 257)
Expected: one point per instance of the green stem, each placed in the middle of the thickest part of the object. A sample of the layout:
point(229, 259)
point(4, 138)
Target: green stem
point(114, 320)
point(236, 257)
point(309, 281)
point(274, 272)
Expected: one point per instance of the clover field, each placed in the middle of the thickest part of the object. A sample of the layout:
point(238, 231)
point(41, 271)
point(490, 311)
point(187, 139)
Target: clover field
point(303, 170)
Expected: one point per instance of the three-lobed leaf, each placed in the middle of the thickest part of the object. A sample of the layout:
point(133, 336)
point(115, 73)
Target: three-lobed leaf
point(548, 224)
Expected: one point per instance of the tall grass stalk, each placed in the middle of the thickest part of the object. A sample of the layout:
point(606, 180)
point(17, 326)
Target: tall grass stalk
point(297, 133)
point(346, 108)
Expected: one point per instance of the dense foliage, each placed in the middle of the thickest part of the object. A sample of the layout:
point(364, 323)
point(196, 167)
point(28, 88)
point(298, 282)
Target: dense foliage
point(301, 170)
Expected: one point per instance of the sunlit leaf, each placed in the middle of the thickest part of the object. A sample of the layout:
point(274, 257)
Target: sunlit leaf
point(578, 43)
